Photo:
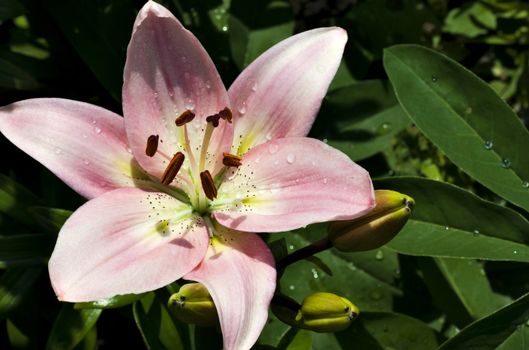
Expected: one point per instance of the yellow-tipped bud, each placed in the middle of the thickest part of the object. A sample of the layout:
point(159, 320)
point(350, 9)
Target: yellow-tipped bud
point(377, 227)
point(193, 304)
point(326, 312)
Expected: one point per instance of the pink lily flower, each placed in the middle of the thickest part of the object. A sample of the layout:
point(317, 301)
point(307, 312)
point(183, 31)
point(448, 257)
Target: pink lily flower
point(182, 199)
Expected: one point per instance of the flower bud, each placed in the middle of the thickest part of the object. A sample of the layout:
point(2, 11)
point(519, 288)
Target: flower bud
point(326, 312)
point(193, 304)
point(377, 227)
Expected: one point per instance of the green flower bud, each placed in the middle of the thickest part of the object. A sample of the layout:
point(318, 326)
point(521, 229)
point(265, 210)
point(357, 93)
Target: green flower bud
point(193, 304)
point(326, 312)
point(377, 227)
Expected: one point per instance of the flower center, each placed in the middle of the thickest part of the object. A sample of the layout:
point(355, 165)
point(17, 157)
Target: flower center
point(206, 190)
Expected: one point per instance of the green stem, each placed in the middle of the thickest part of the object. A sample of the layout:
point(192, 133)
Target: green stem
point(304, 252)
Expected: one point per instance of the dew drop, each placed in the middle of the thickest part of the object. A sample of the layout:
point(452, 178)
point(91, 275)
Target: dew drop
point(254, 87)
point(224, 28)
point(314, 273)
point(58, 150)
point(384, 128)
point(525, 184)
point(184, 59)
point(291, 158)
point(379, 255)
point(434, 78)
point(291, 287)
point(86, 162)
point(397, 273)
point(325, 180)
point(488, 145)
point(291, 247)
point(476, 233)
point(515, 252)
point(527, 323)
point(506, 163)
point(85, 136)
point(297, 181)
point(97, 130)
point(447, 228)
point(190, 105)
point(273, 149)
point(482, 272)
point(242, 108)
point(94, 121)
point(268, 136)
point(325, 140)
point(468, 110)
point(208, 84)
point(377, 295)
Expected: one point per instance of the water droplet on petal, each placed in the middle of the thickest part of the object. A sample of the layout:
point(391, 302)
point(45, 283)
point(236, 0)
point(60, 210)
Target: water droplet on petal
point(325, 180)
point(190, 105)
point(184, 59)
point(208, 84)
point(86, 162)
point(85, 136)
point(268, 136)
point(506, 163)
point(254, 87)
point(242, 108)
point(379, 255)
point(325, 140)
point(94, 121)
point(273, 149)
point(58, 150)
point(488, 145)
point(97, 130)
point(291, 158)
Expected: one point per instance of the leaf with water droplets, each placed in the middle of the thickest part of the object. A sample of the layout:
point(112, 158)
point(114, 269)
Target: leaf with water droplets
point(490, 143)
point(445, 221)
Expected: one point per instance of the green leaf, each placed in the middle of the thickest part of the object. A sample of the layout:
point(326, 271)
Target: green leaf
point(10, 9)
point(384, 330)
point(470, 20)
point(15, 199)
point(15, 284)
point(489, 332)
point(295, 339)
point(99, 33)
point(71, 326)
point(464, 117)
point(13, 77)
point(50, 219)
point(25, 250)
point(360, 119)
point(110, 303)
point(156, 326)
point(450, 222)
point(251, 33)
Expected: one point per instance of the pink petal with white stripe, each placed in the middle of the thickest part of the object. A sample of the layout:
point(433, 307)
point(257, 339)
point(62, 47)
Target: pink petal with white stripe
point(125, 241)
point(168, 72)
point(82, 144)
point(289, 183)
point(280, 93)
point(239, 273)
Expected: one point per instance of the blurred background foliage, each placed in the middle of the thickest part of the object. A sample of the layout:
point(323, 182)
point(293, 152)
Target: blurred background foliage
point(449, 280)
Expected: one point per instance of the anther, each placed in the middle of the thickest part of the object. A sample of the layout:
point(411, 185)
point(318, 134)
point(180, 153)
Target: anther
point(208, 185)
point(172, 169)
point(152, 145)
point(226, 114)
point(231, 160)
point(184, 118)
point(213, 119)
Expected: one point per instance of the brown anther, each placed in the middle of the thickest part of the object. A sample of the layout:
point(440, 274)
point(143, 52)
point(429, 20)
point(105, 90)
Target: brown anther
point(213, 119)
point(184, 118)
point(208, 185)
point(231, 160)
point(226, 114)
point(152, 145)
point(172, 169)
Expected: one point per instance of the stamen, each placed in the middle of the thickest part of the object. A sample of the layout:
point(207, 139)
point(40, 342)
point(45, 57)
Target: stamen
point(231, 160)
point(172, 169)
point(152, 145)
point(208, 185)
point(184, 118)
point(226, 114)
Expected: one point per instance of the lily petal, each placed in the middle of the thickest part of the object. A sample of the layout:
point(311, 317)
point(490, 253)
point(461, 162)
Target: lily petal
point(279, 94)
point(125, 241)
point(168, 72)
point(84, 145)
point(240, 275)
point(289, 183)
